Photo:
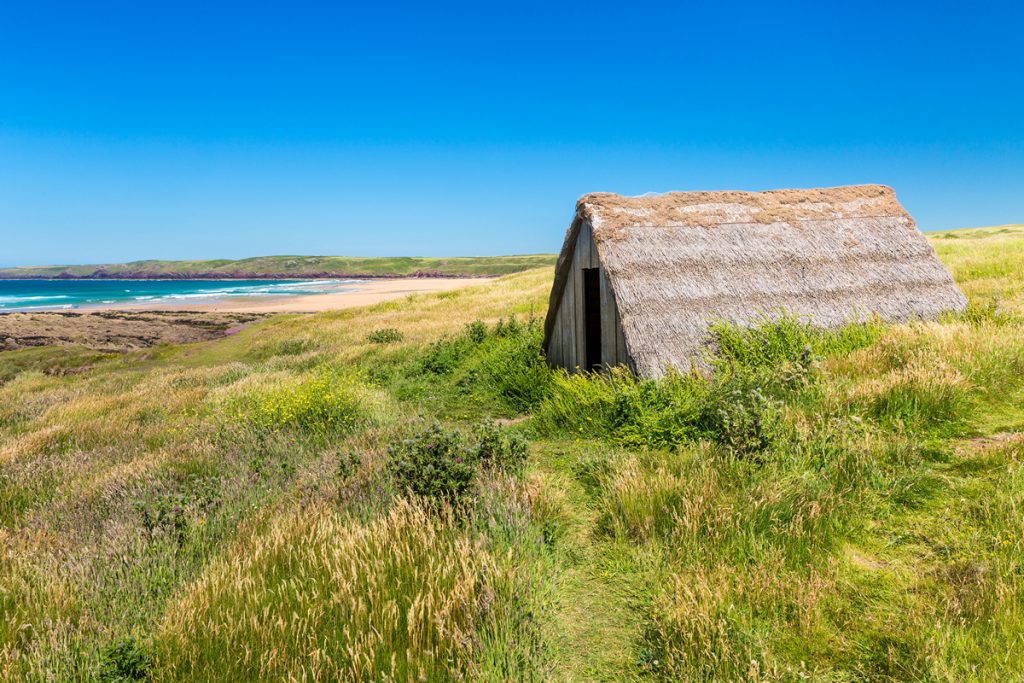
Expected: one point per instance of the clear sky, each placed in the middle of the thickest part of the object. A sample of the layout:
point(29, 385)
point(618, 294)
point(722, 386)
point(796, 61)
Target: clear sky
point(136, 129)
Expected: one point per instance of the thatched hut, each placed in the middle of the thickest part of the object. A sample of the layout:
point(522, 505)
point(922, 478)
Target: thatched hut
point(640, 279)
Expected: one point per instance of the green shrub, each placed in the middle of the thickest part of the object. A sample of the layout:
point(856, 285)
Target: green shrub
point(731, 408)
point(166, 515)
point(385, 335)
point(498, 450)
point(123, 661)
point(512, 327)
point(434, 463)
point(480, 365)
point(439, 464)
point(738, 412)
point(476, 331)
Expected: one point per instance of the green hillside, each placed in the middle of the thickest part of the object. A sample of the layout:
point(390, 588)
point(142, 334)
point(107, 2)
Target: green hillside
point(324, 498)
point(295, 267)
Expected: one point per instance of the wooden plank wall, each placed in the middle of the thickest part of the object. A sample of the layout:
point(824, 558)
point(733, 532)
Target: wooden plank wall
point(613, 344)
point(568, 340)
point(554, 350)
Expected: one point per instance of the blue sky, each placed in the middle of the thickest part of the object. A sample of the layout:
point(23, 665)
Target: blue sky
point(186, 130)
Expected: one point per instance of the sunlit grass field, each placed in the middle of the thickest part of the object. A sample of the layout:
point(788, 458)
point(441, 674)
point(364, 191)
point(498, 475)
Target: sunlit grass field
point(323, 498)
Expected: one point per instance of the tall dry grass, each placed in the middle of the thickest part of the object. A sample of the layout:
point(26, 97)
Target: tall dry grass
point(313, 596)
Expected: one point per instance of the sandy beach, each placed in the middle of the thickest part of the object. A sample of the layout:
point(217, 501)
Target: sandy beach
point(363, 293)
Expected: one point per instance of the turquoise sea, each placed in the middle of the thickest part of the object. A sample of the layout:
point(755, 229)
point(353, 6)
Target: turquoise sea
point(76, 294)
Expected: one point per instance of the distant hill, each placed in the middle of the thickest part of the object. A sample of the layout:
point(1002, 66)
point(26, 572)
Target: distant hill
point(291, 267)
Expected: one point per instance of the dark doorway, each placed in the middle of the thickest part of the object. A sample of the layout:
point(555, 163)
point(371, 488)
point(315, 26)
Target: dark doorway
point(592, 316)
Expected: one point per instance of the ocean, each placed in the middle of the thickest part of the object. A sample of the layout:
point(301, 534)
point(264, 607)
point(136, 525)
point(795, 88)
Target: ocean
point(59, 295)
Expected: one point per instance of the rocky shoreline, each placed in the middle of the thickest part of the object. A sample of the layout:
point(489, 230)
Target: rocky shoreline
point(116, 330)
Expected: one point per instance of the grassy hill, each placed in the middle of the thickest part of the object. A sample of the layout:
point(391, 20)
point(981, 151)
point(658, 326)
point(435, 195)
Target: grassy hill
point(322, 498)
point(294, 267)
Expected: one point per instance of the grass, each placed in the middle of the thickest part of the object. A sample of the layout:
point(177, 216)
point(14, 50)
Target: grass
point(829, 506)
point(986, 261)
point(408, 596)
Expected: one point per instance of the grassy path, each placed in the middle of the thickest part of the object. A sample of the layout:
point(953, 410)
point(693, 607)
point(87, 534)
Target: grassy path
point(937, 571)
point(601, 583)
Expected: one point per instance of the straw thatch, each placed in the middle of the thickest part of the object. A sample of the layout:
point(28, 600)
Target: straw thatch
point(679, 261)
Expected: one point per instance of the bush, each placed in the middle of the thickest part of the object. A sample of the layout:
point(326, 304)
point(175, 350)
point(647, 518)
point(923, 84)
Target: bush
point(124, 660)
point(739, 412)
point(476, 331)
point(385, 335)
point(507, 364)
point(634, 412)
point(512, 327)
point(579, 404)
point(347, 464)
point(438, 463)
point(498, 450)
point(434, 463)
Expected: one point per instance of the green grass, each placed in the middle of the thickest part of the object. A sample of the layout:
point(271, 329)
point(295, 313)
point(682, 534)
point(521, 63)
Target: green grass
point(826, 506)
point(986, 261)
point(47, 359)
point(298, 266)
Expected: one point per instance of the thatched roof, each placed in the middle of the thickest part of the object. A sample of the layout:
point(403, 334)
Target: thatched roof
point(677, 262)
